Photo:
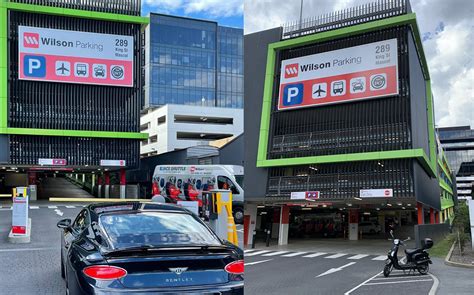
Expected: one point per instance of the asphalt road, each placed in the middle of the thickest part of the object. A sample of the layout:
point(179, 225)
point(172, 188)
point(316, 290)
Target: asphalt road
point(313, 273)
point(35, 267)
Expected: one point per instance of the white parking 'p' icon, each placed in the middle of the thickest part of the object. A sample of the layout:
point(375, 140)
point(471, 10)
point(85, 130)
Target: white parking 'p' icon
point(33, 64)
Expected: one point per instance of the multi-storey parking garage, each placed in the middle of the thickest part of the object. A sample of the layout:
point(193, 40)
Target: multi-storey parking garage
point(71, 88)
point(346, 145)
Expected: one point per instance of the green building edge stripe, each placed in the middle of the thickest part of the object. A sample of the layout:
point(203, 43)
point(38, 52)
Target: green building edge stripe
point(3, 66)
point(75, 13)
point(428, 163)
point(440, 164)
point(74, 133)
point(446, 203)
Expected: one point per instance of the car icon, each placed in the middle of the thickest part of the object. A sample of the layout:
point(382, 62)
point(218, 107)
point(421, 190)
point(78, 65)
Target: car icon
point(357, 85)
point(99, 71)
point(338, 87)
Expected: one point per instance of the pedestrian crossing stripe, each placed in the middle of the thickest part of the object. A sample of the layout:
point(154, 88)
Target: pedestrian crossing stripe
point(338, 255)
point(70, 207)
point(358, 256)
point(53, 207)
point(315, 255)
point(258, 252)
point(34, 207)
point(381, 257)
point(294, 254)
point(275, 253)
point(286, 253)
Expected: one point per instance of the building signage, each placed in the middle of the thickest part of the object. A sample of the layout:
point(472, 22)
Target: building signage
point(52, 162)
point(20, 211)
point(75, 57)
point(311, 196)
point(359, 72)
point(376, 193)
point(111, 163)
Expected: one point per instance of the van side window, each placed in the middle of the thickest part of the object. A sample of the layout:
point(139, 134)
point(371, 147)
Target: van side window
point(225, 183)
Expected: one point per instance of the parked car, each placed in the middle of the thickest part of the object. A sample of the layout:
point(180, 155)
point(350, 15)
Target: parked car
point(138, 247)
point(370, 228)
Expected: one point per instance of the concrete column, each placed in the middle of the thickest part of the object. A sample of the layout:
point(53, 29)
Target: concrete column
point(437, 217)
point(32, 185)
point(107, 185)
point(250, 213)
point(93, 183)
point(276, 223)
point(353, 224)
point(123, 183)
point(99, 186)
point(83, 179)
point(432, 216)
point(284, 225)
point(77, 176)
point(420, 213)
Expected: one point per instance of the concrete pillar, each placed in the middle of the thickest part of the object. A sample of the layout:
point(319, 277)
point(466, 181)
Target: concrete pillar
point(420, 213)
point(77, 176)
point(432, 216)
point(284, 225)
point(353, 224)
point(32, 185)
point(83, 179)
point(275, 223)
point(250, 213)
point(93, 183)
point(437, 217)
point(107, 185)
point(99, 186)
point(123, 183)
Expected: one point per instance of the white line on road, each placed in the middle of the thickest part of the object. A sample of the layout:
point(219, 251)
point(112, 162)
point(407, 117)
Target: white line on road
point(435, 285)
point(359, 256)
point(361, 284)
point(34, 207)
point(398, 282)
point(59, 212)
point(70, 207)
point(27, 249)
point(333, 270)
point(294, 254)
point(257, 253)
point(249, 250)
point(315, 255)
point(381, 257)
point(53, 207)
point(401, 277)
point(336, 255)
point(275, 253)
point(256, 262)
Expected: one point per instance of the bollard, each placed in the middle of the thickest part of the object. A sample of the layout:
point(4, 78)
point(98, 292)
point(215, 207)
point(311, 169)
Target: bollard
point(268, 237)
point(253, 239)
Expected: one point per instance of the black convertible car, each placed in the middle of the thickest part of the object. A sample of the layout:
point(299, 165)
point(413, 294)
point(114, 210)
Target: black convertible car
point(145, 248)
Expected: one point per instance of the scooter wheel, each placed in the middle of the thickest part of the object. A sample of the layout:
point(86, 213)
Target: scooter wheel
point(423, 268)
point(387, 270)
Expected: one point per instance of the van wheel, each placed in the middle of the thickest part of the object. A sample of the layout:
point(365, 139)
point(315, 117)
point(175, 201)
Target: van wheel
point(238, 215)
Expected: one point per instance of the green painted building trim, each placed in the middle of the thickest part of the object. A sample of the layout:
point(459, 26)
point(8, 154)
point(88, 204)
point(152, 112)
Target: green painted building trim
point(446, 203)
point(428, 163)
point(431, 125)
point(74, 133)
point(440, 164)
point(76, 13)
point(445, 186)
point(3, 66)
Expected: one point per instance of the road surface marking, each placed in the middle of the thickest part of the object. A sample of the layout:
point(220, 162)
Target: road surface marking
point(6, 209)
point(275, 253)
point(361, 284)
point(381, 257)
point(34, 207)
point(294, 254)
point(333, 270)
point(400, 277)
point(27, 249)
point(53, 207)
point(256, 262)
point(250, 250)
point(70, 207)
point(315, 255)
point(257, 253)
point(435, 285)
point(398, 282)
point(336, 255)
point(59, 212)
point(359, 256)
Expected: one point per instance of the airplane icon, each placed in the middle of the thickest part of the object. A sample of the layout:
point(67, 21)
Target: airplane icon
point(319, 90)
point(63, 68)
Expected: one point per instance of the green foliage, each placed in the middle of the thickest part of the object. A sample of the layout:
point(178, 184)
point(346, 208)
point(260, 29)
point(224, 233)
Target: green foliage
point(461, 219)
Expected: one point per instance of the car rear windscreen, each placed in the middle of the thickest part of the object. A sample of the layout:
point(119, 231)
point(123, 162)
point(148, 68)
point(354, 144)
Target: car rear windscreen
point(156, 229)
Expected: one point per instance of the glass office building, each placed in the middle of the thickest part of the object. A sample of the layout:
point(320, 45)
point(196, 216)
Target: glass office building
point(193, 62)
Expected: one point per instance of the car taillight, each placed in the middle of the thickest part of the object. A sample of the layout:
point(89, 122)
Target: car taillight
point(104, 272)
point(155, 189)
point(235, 268)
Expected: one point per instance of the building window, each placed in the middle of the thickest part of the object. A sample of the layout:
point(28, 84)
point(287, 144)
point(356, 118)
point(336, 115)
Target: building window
point(153, 138)
point(161, 120)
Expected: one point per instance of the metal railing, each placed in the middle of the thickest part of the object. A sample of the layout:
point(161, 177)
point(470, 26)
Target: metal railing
point(347, 17)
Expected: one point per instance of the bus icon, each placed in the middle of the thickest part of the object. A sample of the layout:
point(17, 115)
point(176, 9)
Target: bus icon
point(338, 88)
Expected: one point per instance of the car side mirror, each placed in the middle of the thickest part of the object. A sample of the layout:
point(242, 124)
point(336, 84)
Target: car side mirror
point(64, 223)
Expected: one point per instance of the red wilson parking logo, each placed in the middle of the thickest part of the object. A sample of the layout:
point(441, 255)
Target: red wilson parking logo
point(31, 40)
point(291, 70)
point(387, 192)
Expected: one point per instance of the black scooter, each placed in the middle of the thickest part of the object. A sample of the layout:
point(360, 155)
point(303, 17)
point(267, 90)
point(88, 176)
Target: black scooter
point(416, 259)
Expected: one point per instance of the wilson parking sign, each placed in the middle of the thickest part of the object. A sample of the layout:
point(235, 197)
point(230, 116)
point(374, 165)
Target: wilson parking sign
point(75, 57)
point(359, 72)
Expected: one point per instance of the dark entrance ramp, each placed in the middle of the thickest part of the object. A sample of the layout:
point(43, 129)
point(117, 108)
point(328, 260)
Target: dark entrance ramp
point(60, 187)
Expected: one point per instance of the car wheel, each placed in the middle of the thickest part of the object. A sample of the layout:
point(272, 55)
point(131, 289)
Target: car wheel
point(238, 215)
point(63, 275)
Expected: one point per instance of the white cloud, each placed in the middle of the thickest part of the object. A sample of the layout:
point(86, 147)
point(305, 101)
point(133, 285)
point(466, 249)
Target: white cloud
point(214, 8)
point(447, 26)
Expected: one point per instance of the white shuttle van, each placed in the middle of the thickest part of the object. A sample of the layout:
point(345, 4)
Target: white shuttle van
point(187, 182)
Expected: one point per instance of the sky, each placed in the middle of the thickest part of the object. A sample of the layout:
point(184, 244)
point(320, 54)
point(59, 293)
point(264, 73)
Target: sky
point(225, 12)
point(447, 29)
